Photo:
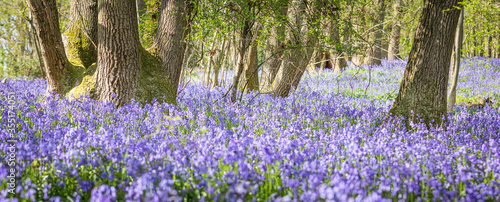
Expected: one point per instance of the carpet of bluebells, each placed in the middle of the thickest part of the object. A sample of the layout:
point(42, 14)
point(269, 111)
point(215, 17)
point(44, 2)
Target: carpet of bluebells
point(330, 140)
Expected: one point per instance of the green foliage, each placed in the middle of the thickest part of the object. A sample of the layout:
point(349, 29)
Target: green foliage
point(149, 22)
point(482, 23)
point(17, 48)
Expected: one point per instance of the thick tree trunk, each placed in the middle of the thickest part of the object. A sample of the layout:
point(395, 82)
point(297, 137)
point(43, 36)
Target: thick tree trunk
point(374, 50)
point(452, 96)
point(274, 52)
point(118, 51)
point(82, 33)
point(422, 94)
point(46, 21)
point(170, 44)
point(395, 32)
point(296, 59)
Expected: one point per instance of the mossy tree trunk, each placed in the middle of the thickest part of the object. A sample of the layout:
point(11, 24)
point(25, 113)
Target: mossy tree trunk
point(46, 22)
point(82, 33)
point(422, 94)
point(75, 81)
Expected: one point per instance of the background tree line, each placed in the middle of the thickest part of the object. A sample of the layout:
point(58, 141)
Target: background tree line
point(144, 49)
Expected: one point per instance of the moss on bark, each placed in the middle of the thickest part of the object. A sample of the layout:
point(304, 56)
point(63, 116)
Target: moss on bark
point(80, 50)
point(82, 81)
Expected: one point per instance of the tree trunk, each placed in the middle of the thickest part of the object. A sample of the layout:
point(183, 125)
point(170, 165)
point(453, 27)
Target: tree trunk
point(46, 21)
point(251, 74)
point(374, 50)
point(274, 52)
point(220, 60)
point(82, 33)
point(210, 62)
point(296, 59)
point(452, 96)
point(487, 48)
point(422, 94)
point(141, 9)
point(118, 51)
point(170, 43)
point(395, 32)
point(243, 44)
point(496, 49)
point(339, 63)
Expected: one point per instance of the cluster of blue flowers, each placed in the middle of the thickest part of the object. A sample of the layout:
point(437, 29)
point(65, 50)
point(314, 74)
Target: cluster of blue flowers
point(329, 140)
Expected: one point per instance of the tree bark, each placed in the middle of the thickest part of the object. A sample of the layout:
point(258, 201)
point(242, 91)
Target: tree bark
point(337, 54)
point(487, 48)
point(393, 49)
point(46, 21)
point(296, 59)
point(496, 49)
point(118, 51)
point(245, 37)
point(170, 43)
point(422, 93)
point(452, 96)
point(82, 33)
point(374, 50)
point(210, 62)
point(274, 51)
point(251, 75)
point(220, 59)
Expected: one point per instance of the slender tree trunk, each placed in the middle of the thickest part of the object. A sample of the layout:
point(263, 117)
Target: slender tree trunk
point(188, 53)
point(170, 43)
point(452, 96)
point(251, 74)
point(339, 63)
point(243, 44)
point(487, 48)
point(422, 94)
point(210, 62)
point(274, 51)
point(118, 51)
point(141, 9)
point(496, 49)
point(374, 50)
point(395, 32)
point(46, 22)
point(220, 60)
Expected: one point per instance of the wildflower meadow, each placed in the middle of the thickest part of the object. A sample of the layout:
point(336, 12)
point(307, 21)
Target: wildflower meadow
point(330, 140)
